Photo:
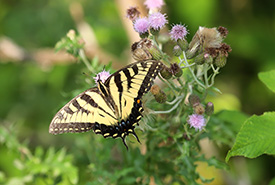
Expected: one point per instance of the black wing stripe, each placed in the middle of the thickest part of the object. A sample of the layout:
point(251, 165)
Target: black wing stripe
point(135, 69)
point(120, 89)
point(118, 82)
point(89, 100)
point(129, 78)
point(68, 110)
point(149, 78)
point(107, 113)
point(143, 64)
point(76, 104)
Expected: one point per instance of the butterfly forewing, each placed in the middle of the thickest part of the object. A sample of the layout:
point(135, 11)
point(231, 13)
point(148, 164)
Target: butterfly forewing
point(132, 82)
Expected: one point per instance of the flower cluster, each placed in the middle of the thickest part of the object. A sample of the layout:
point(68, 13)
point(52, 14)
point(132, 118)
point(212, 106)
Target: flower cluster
point(207, 47)
point(154, 22)
point(197, 119)
point(206, 51)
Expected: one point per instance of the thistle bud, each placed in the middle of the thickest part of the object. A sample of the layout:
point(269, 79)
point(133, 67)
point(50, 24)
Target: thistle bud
point(154, 31)
point(208, 58)
point(194, 100)
point(177, 50)
point(155, 52)
point(166, 72)
point(183, 44)
point(132, 13)
point(199, 109)
point(209, 109)
point(71, 34)
point(161, 97)
point(155, 89)
point(141, 55)
point(199, 59)
point(220, 61)
point(176, 70)
point(190, 53)
point(144, 35)
point(139, 51)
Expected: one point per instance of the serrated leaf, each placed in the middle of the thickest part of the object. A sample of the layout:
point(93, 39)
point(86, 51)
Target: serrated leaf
point(268, 78)
point(256, 137)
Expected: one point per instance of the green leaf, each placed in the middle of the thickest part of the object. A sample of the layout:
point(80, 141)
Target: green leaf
point(268, 78)
point(256, 137)
point(272, 182)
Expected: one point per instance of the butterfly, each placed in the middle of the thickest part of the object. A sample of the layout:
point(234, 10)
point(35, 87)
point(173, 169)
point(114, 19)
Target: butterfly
point(113, 108)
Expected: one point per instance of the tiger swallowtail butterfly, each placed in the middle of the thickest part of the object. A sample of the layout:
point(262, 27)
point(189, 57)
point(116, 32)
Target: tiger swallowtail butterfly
point(113, 108)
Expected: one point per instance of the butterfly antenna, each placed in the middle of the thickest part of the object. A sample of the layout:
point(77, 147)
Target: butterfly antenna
point(86, 74)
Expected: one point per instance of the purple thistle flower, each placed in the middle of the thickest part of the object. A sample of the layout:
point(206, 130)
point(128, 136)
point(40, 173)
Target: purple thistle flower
point(196, 121)
point(102, 76)
point(178, 31)
point(157, 20)
point(154, 3)
point(141, 25)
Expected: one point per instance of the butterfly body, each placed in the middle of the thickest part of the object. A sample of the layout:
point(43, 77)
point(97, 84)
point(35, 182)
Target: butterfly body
point(113, 108)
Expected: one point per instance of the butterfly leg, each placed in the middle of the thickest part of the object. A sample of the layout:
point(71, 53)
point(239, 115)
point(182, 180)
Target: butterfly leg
point(133, 132)
point(123, 140)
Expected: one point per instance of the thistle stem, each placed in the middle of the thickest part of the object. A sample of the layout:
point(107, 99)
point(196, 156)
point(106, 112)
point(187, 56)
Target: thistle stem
point(192, 72)
point(166, 111)
point(85, 60)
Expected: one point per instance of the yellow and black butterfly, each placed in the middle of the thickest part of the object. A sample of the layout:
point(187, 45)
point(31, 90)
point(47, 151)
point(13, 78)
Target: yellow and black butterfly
point(113, 108)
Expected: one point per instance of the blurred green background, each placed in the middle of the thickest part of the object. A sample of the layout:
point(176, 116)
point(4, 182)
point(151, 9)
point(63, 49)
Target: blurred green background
point(31, 93)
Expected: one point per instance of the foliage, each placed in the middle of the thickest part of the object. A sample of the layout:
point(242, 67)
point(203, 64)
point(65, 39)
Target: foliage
point(268, 79)
point(256, 136)
point(31, 94)
point(172, 149)
point(40, 166)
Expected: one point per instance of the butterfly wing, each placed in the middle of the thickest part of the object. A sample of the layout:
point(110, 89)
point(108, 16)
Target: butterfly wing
point(82, 114)
point(130, 83)
point(111, 109)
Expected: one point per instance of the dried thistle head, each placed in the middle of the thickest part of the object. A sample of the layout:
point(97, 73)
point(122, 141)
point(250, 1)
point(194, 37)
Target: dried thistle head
point(132, 13)
point(206, 38)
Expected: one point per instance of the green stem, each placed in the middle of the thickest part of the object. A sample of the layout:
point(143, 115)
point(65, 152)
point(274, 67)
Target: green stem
point(216, 71)
point(168, 84)
point(205, 66)
point(175, 100)
point(192, 72)
point(186, 131)
point(167, 111)
point(85, 60)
